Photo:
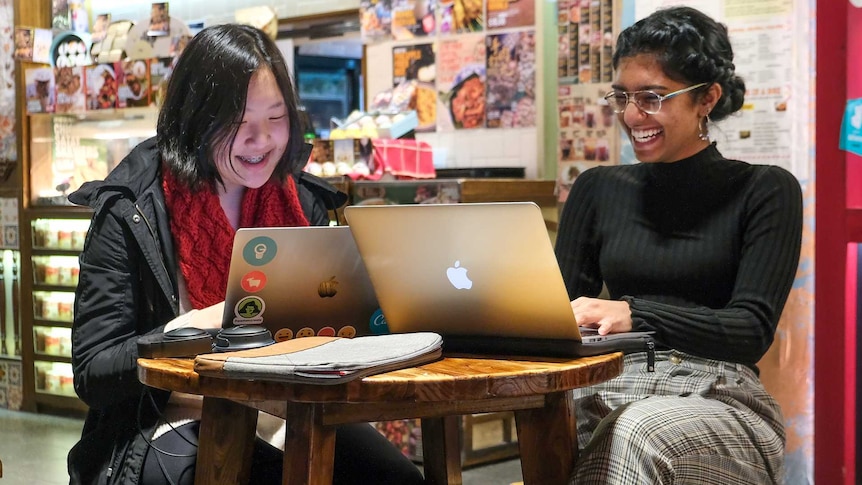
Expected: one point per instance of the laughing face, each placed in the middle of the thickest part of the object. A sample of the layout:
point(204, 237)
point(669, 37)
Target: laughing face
point(261, 138)
point(672, 133)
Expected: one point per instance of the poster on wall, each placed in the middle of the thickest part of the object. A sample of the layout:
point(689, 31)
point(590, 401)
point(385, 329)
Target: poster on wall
point(504, 14)
point(60, 15)
point(589, 134)
point(585, 40)
point(466, 15)
point(375, 20)
point(415, 64)
point(511, 80)
point(412, 18)
point(461, 82)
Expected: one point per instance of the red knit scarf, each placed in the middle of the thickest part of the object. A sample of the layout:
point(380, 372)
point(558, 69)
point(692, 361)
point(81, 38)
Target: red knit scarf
point(204, 237)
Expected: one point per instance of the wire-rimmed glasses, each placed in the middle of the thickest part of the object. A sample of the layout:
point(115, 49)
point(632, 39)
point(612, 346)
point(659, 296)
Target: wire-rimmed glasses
point(647, 101)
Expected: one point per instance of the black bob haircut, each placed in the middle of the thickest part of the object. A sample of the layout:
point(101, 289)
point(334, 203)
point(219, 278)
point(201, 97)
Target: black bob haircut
point(691, 47)
point(206, 99)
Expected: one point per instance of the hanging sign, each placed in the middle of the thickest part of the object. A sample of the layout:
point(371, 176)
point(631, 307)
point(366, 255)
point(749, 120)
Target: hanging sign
point(851, 127)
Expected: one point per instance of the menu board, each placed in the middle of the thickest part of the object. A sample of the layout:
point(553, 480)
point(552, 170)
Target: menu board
point(511, 80)
point(511, 13)
point(461, 82)
point(466, 15)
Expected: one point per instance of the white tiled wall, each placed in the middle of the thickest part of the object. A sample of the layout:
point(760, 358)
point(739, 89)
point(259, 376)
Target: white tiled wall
point(485, 148)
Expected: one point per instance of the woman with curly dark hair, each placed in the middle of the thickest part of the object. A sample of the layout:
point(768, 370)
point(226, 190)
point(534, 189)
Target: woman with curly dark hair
point(698, 249)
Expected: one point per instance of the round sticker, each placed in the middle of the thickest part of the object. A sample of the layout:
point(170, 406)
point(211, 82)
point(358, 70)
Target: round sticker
point(377, 323)
point(283, 334)
point(259, 251)
point(253, 281)
point(305, 332)
point(249, 307)
point(326, 332)
point(347, 331)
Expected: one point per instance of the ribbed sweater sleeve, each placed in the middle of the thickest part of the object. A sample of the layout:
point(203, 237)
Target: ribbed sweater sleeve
point(705, 252)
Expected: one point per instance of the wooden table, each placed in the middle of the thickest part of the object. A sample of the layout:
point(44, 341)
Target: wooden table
point(535, 389)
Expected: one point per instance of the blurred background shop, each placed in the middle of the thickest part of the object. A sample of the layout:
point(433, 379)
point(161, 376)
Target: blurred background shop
point(424, 101)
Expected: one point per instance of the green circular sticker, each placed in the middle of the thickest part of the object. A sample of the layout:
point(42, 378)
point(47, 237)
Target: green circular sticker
point(259, 251)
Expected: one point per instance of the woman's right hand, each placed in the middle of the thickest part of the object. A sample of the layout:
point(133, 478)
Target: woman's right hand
point(209, 317)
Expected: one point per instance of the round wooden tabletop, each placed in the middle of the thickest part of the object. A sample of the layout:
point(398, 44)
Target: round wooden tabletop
point(459, 378)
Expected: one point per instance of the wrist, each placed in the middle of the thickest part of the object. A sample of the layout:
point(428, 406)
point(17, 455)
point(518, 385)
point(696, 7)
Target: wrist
point(184, 320)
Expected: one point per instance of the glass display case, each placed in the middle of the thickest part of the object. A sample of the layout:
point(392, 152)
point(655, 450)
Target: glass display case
point(62, 151)
point(68, 150)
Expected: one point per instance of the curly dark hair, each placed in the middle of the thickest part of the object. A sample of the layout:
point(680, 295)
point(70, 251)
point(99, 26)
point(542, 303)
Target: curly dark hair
point(691, 48)
point(206, 98)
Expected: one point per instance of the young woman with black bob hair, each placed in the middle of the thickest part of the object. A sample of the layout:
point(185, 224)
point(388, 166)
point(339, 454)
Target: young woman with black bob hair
point(697, 248)
point(228, 153)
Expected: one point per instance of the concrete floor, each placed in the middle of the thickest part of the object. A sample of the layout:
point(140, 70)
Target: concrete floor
point(33, 450)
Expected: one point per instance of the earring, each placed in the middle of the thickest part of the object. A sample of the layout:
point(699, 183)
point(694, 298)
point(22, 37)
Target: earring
point(703, 129)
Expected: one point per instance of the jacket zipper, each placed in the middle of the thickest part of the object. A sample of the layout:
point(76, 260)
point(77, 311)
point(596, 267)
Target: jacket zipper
point(158, 248)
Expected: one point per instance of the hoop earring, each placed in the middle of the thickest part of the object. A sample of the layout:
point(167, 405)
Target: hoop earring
point(703, 129)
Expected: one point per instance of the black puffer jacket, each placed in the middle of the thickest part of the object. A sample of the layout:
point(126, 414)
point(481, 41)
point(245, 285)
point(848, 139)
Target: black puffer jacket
point(127, 289)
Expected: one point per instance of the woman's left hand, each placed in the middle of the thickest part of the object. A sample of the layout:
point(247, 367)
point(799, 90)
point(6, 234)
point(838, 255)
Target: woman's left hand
point(609, 316)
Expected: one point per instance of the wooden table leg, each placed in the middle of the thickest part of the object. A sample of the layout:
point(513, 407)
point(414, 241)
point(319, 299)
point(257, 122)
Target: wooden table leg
point(309, 447)
point(225, 445)
point(441, 450)
point(547, 439)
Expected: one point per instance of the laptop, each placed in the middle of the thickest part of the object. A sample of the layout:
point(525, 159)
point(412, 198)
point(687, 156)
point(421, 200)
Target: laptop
point(299, 282)
point(483, 275)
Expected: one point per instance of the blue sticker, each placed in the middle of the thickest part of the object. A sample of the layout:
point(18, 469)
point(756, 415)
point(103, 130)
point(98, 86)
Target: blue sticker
point(259, 251)
point(851, 127)
point(377, 323)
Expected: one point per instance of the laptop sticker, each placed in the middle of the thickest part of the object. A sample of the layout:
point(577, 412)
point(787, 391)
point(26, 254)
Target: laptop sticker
point(326, 332)
point(253, 281)
point(377, 324)
point(259, 251)
point(347, 331)
point(283, 334)
point(249, 310)
point(305, 332)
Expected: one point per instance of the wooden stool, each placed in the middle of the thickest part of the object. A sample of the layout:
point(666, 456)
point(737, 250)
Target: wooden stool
point(537, 390)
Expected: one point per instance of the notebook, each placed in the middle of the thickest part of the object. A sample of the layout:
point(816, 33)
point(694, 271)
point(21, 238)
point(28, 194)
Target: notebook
point(299, 282)
point(482, 275)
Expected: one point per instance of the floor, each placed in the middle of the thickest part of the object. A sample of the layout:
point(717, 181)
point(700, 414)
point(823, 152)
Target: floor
point(33, 450)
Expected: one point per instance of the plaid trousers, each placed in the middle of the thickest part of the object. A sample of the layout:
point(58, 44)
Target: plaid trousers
point(692, 421)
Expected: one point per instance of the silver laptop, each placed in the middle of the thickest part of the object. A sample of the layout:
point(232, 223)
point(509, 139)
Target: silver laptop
point(483, 275)
point(299, 281)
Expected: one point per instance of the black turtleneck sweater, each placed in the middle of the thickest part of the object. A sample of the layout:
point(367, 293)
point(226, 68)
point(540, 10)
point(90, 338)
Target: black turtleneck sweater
point(704, 249)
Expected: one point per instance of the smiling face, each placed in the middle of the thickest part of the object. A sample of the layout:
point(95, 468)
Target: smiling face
point(673, 133)
point(261, 138)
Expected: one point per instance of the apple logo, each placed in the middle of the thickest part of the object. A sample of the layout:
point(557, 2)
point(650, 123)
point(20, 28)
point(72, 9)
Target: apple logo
point(458, 277)
point(328, 288)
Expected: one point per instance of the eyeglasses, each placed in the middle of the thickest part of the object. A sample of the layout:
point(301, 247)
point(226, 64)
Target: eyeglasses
point(647, 101)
